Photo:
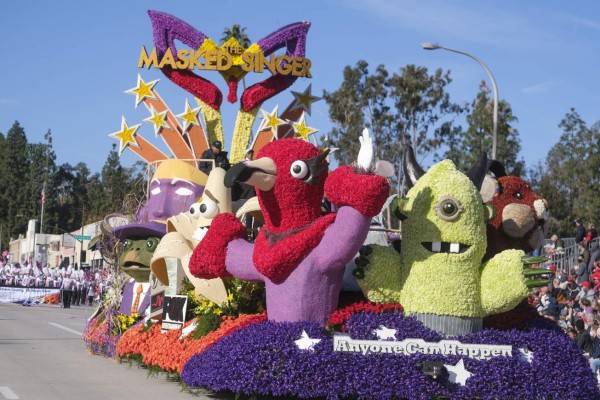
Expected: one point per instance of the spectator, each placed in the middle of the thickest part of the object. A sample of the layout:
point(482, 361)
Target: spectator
point(214, 153)
point(586, 292)
point(581, 270)
point(249, 155)
point(547, 306)
point(583, 250)
point(594, 255)
point(592, 233)
point(580, 233)
point(583, 338)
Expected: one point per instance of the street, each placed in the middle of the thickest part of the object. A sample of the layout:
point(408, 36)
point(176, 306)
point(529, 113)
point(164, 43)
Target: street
point(42, 357)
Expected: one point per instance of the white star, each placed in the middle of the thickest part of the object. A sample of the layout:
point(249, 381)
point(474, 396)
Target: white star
point(306, 343)
point(457, 373)
point(526, 355)
point(384, 333)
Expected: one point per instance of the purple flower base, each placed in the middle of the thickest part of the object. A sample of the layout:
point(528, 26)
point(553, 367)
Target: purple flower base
point(263, 359)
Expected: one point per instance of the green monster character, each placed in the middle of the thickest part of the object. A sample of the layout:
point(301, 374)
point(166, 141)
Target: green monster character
point(135, 257)
point(438, 277)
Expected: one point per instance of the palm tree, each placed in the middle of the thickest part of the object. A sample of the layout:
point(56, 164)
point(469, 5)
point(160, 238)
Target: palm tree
point(238, 33)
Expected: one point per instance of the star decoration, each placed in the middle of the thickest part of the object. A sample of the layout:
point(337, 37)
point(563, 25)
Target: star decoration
point(126, 135)
point(142, 91)
point(271, 121)
point(384, 333)
point(526, 355)
point(189, 116)
point(306, 343)
point(303, 131)
point(457, 373)
point(158, 120)
point(304, 100)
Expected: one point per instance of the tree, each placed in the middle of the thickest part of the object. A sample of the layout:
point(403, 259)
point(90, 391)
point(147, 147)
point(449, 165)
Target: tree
point(464, 147)
point(570, 178)
point(410, 107)
point(238, 33)
point(15, 165)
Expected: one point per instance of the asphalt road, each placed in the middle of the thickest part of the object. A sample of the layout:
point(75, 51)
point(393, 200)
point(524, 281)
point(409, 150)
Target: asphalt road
point(42, 357)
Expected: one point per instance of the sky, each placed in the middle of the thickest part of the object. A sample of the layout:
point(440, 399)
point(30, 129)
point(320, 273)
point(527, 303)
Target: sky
point(66, 64)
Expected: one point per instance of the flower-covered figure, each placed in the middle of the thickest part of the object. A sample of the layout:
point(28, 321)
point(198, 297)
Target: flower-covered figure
point(299, 254)
point(439, 276)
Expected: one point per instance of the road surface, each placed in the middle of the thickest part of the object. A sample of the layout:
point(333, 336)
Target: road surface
point(42, 357)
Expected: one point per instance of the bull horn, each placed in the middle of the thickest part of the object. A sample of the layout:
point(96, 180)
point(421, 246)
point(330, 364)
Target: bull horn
point(412, 169)
point(477, 172)
point(497, 168)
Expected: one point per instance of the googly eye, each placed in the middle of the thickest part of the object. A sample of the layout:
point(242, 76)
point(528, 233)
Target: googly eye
point(195, 209)
point(208, 209)
point(127, 244)
point(518, 196)
point(151, 244)
point(183, 192)
point(299, 169)
point(448, 208)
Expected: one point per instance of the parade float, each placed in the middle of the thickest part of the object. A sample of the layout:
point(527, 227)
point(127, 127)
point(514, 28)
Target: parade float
point(440, 316)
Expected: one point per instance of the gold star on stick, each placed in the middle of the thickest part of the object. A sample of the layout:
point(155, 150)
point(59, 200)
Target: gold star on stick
point(304, 100)
point(126, 135)
point(189, 116)
point(303, 131)
point(271, 121)
point(142, 91)
point(158, 120)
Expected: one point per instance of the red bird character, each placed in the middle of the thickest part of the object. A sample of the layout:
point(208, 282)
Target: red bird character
point(300, 254)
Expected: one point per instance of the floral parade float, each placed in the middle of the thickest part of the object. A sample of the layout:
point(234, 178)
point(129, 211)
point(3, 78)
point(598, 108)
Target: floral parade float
point(421, 332)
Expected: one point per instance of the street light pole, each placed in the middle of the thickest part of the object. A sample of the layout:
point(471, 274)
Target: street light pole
point(435, 46)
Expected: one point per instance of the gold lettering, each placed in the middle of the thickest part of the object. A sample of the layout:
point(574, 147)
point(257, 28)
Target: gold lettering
point(306, 62)
point(183, 62)
point(210, 59)
point(194, 62)
point(168, 59)
point(248, 59)
point(285, 67)
point(297, 66)
point(258, 62)
point(272, 65)
point(148, 61)
point(224, 60)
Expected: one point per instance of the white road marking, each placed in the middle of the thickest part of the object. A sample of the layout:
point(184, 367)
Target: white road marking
point(65, 328)
point(7, 393)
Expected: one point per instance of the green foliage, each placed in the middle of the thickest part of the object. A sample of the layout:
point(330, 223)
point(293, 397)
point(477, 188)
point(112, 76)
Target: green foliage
point(206, 324)
point(73, 194)
point(570, 177)
point(464, 147)
point(408, 107)
point(238, 33)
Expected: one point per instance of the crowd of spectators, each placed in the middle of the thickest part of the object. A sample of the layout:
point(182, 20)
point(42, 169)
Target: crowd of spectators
point(572, 299)
point(84, 286)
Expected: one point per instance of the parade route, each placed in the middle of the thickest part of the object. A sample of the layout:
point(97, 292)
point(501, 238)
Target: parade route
point(42, 356)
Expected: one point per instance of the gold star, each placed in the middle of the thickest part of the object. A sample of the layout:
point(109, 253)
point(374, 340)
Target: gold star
point(126, 135)
point(189, 116)
point(304, 100)
point(142, 91)
point(158, 120)
point(271, 121)
point(303, 131)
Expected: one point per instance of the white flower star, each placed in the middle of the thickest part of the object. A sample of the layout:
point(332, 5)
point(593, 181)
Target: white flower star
point(526, 355)
point(306, 343)
point(457, 373)
point(384, 333)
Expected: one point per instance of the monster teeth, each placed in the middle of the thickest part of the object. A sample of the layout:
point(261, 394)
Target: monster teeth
point(454, 247)
point(436, 247)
